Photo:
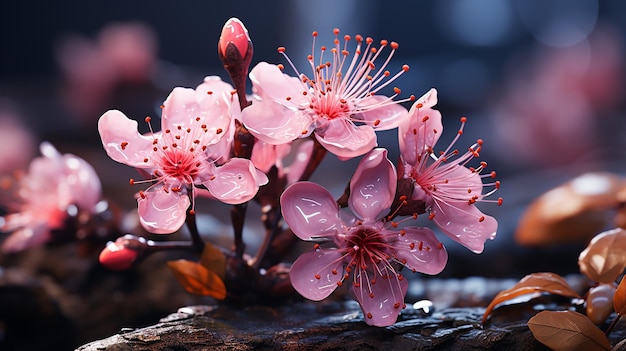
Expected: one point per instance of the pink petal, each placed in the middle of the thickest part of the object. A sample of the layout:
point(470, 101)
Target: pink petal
point(265, 156)
point(382, 300)
point(274, 123)
point(214, 85)
point(115, 131)
point(35, 234)
point(82, 182)
point(373, 186)
point(161, 212)
point(382, 118)
point(341, 137)
point(310, 210)
point(461, 222)
point(270, 83)
point(417, 134)
point(235, 182)
point(309, 266)
point(421, 250)
point(300, 161)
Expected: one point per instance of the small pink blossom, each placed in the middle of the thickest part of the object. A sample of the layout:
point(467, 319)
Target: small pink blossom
point(368, 247)
point(196, 135)
point(448, 187)
point(339, 102)
point(53, 183)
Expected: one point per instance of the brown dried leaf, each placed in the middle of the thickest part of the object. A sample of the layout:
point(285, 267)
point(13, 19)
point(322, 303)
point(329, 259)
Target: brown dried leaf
point(619, 298)
point(604, 259)
point(536, 282)
point(214, 260)
point(197, 279)
point(567, 330)
point(571, 212)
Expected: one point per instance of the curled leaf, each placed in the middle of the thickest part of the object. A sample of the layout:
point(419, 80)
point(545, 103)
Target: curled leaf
point(603, 260)
point(537, 282)
point(571, 212)
point(567, 330)
point(619, 298)
point(197, 279)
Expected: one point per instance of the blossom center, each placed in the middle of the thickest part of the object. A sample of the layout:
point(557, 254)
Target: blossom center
point(365, 246)
point(179, 164)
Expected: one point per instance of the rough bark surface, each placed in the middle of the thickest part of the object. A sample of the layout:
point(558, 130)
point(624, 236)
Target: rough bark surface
point(317, 326)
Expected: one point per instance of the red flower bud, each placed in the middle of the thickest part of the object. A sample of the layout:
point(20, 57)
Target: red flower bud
point(118, 255)
point(235, 33)
point(235, 51)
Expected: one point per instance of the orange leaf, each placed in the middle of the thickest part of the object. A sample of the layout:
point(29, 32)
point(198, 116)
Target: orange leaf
point(214, 260)
point(603, 260)
point(619, 299)
point(197, 279)
point(536, 282)
point(567, 330)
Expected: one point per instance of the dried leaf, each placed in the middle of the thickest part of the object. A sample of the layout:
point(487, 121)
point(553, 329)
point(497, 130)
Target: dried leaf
point(619, 298)
point(571, 212)
point(604, 260)
point(536, 282)
point(214, 260)
point(197, 279)
point(567, 330)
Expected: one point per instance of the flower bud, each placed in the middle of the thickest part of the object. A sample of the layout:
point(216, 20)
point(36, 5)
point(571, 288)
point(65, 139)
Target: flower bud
point(122, 253)
point(235, 51)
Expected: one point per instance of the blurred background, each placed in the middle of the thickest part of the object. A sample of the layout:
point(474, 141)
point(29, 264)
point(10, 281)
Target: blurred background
point(541, 82)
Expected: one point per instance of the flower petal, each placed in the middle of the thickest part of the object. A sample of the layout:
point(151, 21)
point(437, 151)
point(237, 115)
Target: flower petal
point(162, 212)
point(235, 182)
point(33, 235)
point(81, 181)
point(465, 224)
point(273, 123)
point(310, 210)
point(383, 118)
point(383, 299)
point(345, 139)
point(373, 186)
point(121, 140)
point(421, 129)
point(327, 264)
point(420, 251)
point(270, 83)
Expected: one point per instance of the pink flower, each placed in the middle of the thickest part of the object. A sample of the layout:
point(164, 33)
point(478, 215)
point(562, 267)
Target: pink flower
point(53, 183)
point(368, 247)
point(339, 102)
point(449, 189)
point(197, 131)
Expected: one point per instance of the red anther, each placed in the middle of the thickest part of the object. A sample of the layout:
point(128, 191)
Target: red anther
point(394, 45)
point(369, 315)
point(419, 105)
point(394, 224)
point(440, 246)
point(405, 68)
point(208, 93)
point(336, 31)
point(497, 185)
point(396, 305)
point(463, 119)
point(425, 118)
point(316, 247)
point(412, 246)
point(339, 283)
point(334, 272)
point(376, 122)
point(124, 144)
point(323, 48)
point(131, 181)
point(358, 38)
point(304, 132)
point(460, 132)
point(469, 191)
point(414, 131)
point(318, 277)
point(431, 216)
point(387, 73)
point(192, 211)
point(373, 50)
point(142, 194)
point(345, 52)
point(162, 107)
point(148, 119)
point(479, 142)
point(384, 42)
point(371, 295)
point(314, 34)
point(280, 66)
point(218, 131)
point(500, 201)
point(397, 90)
point(233, 92)
point(483, 164)
point(346, 37)
point(145, 159)
point(281, 49)
point(402, 198)
point(493, 174)
point(481, 218)
point(369, 40)
point(402, 232)
point(420, 246)
point(173, 145)
point(167, 131)
point(336, 41)
point(414, 215)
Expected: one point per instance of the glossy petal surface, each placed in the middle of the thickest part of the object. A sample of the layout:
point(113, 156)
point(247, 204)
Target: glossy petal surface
point(235, 182)
point(383, 300)
point(115, 131)
point(345, 139)
point(315, 274)
point(460, 221)
point(161, 212)
point(421, 250)
point(310, 210)
point(373, 186)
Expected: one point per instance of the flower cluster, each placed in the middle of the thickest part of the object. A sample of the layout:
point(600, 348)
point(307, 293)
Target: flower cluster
point(217, 142)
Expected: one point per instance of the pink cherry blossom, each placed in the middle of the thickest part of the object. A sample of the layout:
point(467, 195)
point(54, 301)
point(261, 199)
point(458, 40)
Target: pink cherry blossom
point(368, 246)
point(196, 136)
point(448, 187)
point(52, 184)
point(339, 102)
